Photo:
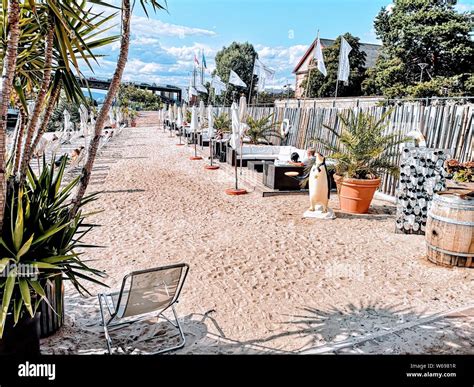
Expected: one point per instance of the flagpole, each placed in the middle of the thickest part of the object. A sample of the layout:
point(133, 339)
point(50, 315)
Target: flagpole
point(309, 73)
point(202, 67)
point(251, 82)
point(226, 89)
point(338, 68)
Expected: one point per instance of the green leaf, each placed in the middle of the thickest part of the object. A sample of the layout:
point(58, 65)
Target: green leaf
point(26, 296)
point(19, 225)
point(50, 232)
point(4, 263)
point(25, 248)
point(17, 306)
point(7, 295)
point(42, 265)
point(38, 288)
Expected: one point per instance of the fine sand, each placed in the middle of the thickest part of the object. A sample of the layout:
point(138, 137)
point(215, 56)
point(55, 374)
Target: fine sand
point(262, 279)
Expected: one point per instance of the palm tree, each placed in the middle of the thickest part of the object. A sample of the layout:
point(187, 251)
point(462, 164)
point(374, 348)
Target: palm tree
point(9, 64)
point(362, 149)
point(261, 130)
point(113, 89)
point(47, 69)
point(72, 31)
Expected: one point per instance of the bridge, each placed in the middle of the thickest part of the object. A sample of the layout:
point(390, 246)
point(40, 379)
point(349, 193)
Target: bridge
point(167, 93)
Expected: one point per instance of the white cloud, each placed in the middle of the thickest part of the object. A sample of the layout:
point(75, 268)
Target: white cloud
point(462, 7)
point(370, 37)
point(281, 58)
point(145, 27)
point(188, 52)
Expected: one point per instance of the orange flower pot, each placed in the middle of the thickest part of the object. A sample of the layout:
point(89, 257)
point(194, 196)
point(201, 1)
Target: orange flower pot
point(355, 195)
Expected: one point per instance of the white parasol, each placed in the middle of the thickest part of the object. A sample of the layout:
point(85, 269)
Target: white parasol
point(243, 109)
point(235, 136)
point(194, 127)
point(210, 121)
point(202, 113)
point(179, 119)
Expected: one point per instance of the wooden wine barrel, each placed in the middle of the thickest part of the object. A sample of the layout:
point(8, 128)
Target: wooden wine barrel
point(450, 230)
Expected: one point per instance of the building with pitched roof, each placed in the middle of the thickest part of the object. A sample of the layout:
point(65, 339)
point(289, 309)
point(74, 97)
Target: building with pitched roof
point(301, 70)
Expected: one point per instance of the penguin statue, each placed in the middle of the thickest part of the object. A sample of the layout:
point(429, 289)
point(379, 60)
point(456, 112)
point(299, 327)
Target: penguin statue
point(319, 184)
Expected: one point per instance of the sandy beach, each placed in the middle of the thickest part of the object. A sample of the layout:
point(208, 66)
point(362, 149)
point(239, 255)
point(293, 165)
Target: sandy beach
point(262, 279)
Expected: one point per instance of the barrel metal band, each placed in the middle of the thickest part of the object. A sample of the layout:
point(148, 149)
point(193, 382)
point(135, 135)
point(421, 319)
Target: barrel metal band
point(451, 221)
point(439, 250)
point(454, 205)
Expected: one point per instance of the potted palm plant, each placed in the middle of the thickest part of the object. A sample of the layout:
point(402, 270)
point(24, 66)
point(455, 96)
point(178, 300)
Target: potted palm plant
point(133, 117)
point(363, 152)
point(38, 246)
point(222, 124)
point(261, 130)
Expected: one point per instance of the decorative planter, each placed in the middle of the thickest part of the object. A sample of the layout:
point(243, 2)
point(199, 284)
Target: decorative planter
point(22, 339)
point(52, 319)
point(134, 124)
point(355, 195)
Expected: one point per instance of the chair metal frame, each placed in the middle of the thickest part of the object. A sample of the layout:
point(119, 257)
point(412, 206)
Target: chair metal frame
point(112, 322)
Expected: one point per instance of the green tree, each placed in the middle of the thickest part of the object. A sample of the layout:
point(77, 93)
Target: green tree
point(422, 31)
point(134, 97)
point(321, 86)
point(239, 57)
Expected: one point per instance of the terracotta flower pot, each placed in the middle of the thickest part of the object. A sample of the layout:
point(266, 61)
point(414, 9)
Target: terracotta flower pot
point(355, 195)
point(134, 124)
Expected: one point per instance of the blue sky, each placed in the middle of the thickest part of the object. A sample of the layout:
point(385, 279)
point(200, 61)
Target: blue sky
point(163, 46)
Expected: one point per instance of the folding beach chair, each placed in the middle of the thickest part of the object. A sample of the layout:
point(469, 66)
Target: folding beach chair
point(144, 292)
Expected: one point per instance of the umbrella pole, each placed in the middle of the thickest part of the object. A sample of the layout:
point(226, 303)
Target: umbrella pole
point(241, 146)
point(236, 176)
point(211, 150)
point(195, 143)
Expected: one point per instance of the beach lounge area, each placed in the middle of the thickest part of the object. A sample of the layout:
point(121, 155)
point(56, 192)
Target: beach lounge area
point(183, 183)
point(262, 279)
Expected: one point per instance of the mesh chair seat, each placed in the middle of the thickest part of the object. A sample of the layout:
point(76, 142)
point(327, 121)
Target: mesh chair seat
point(144, 292)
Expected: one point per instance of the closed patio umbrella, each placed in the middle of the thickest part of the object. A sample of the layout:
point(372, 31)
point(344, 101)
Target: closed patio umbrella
point(202, 113)
point(202, 119)
point(235, 144)
point(179, 124)
point(210, 131)
point(243, 120)
point(171, 118)
point(194, 128)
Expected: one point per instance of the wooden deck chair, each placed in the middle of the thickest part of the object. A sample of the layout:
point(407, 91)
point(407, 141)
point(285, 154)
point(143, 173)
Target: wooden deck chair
point(143, 293)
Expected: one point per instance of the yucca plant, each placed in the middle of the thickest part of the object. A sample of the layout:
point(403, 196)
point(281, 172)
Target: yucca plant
point(40, 235)
point(261, 130)
point(362, 149)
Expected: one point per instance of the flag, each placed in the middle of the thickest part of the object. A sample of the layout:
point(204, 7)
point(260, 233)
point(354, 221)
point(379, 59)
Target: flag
point(344, 66)
point(196, 60)
point(234, 79)
point(204, 63)
point(264, 73)
point(318, 55)
point(218, 85)
point(201, 88)
point(192, 90)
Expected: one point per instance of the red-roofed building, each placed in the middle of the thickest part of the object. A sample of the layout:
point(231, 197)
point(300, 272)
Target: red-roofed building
point(301, 69)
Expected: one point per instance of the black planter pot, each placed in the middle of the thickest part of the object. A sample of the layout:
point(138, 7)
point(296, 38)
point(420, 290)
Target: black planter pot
point(22, 339)
point(51, 319)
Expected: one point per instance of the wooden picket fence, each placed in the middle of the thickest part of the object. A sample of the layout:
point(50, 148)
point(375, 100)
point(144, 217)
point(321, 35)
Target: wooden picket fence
point(448, 126)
